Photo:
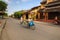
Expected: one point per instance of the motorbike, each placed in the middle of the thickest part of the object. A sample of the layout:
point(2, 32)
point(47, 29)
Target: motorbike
point(27, 24)
point(56, 22)
point(31, 25)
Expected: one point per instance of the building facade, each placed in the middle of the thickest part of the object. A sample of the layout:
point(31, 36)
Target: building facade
point(49, 9)
point(32, 13)
point(43, 15)
point(46, 12)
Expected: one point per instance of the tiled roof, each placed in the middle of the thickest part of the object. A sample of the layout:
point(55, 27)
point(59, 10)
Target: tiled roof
point(53, 3)
point(35, 7)
point(43, 1)
point(52, 9)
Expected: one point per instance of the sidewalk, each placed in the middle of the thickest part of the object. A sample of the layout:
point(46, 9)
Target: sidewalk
point(47, 23)
point(2, 24)
point(42, 22)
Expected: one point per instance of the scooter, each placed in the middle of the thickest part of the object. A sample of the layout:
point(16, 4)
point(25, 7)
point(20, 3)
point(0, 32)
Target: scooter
point(31, 25)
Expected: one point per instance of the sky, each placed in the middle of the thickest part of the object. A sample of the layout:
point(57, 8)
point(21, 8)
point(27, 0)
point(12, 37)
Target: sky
point(17, 5)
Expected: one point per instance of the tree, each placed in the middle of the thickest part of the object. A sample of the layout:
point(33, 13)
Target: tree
point(5, 14)
point(18, 14)
point(3, 6)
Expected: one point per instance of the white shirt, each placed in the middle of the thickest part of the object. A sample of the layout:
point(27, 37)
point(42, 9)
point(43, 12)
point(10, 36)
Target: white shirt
point(21, 19)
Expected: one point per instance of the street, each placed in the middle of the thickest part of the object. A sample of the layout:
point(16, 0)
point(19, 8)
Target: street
point(44, 31)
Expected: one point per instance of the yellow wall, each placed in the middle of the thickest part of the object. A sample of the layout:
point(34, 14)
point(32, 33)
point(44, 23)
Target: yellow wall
point(24, 17)
point(29, 16)
point(33, 16)
point(35, 13)
point(42, 6)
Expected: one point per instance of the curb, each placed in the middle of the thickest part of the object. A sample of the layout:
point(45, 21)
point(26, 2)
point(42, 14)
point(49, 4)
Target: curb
point(42, 22)
point(2, 27)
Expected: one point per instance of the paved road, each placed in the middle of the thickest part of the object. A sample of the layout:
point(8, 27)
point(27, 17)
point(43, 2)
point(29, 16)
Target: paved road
point(44, 31)
point(2, 23)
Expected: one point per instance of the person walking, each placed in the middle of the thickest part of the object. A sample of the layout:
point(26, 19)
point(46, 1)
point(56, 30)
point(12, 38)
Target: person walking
point(21, 20)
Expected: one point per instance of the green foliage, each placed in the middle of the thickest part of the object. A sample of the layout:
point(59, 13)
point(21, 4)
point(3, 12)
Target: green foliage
point(5, 14)
point(18, 14)
point(3, 6)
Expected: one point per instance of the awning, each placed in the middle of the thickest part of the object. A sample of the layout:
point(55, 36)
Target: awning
point(52, 9)
point(53, 3)
point(41, 10)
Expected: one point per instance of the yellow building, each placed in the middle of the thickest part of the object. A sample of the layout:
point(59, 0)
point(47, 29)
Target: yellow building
point(44, 12)
point(49, 9)
point(24, 14)
point(43, 15)
point(33, 13)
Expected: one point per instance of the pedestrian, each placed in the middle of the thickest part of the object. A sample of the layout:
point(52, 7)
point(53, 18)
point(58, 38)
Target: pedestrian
point(21, 20)
point(56, 20)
